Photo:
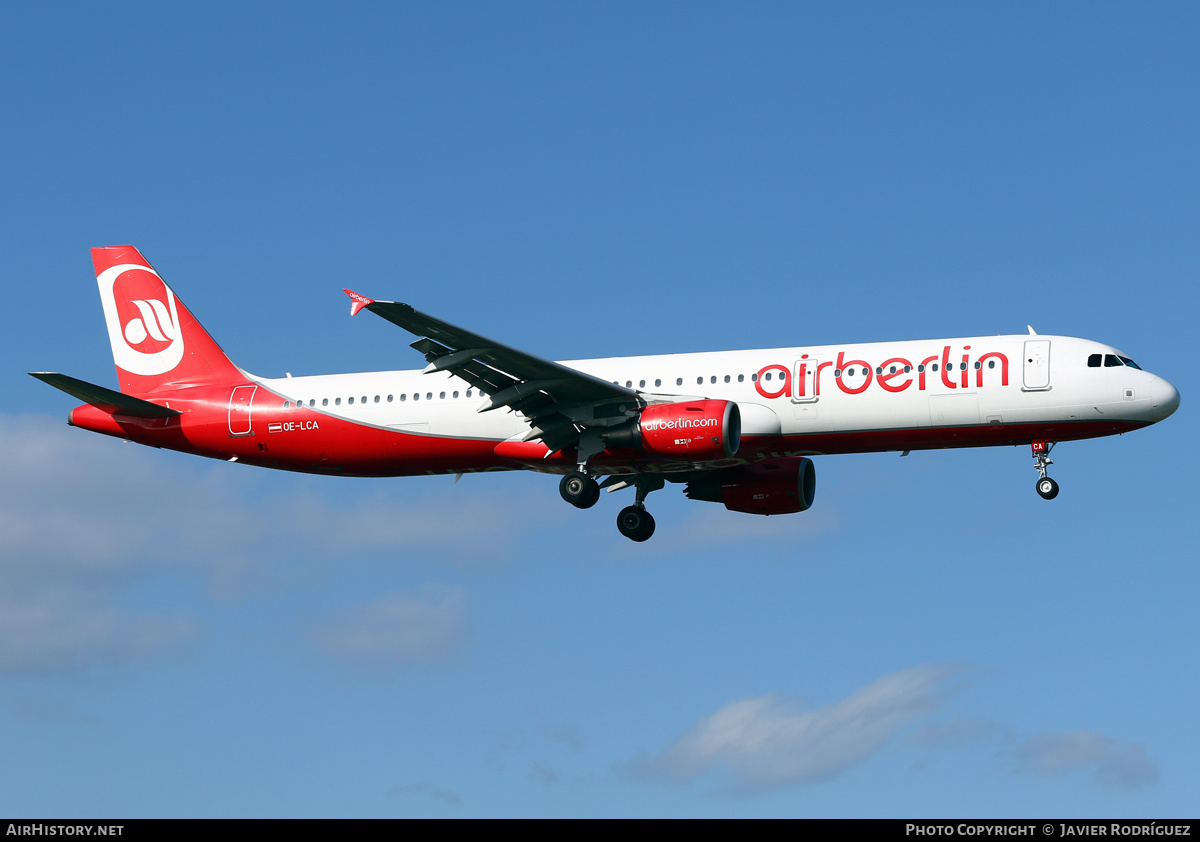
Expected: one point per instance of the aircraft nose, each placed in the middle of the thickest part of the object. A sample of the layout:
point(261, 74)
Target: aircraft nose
point(1164, 398)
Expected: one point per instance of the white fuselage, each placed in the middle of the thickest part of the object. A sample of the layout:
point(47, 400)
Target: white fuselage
point(885, 386)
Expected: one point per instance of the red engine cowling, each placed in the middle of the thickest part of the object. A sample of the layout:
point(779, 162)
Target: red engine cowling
point(691, 430)
point(777, 487)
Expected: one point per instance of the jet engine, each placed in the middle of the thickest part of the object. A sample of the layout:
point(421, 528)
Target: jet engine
point(689, 430)
point(775, 487)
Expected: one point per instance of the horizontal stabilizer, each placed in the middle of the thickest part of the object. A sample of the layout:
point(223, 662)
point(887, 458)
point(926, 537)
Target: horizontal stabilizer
point(102, 398)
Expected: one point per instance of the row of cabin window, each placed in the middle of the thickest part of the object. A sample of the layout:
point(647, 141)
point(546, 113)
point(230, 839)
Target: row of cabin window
point(678, 382)
point(837, 373)
point(390, 398)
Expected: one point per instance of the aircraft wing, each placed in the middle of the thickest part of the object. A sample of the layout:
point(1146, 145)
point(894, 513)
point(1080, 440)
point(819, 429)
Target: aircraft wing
point(560, 402)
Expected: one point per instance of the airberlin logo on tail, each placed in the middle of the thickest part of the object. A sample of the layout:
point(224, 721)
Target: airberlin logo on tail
point(155, 322)
point(142, 317)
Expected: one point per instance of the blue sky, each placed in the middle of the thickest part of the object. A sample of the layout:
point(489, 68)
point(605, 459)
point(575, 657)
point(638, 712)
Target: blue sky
point(186, 638)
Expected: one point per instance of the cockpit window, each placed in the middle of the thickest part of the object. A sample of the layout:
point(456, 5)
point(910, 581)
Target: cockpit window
point(1129, 362)
point(1111, 361)
point(1094, 360)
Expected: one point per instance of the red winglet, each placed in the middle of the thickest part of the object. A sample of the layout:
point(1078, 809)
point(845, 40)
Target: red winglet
point(357, 302)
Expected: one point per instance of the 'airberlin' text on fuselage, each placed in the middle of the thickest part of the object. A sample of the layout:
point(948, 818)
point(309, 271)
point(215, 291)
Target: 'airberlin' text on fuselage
point(893, 375)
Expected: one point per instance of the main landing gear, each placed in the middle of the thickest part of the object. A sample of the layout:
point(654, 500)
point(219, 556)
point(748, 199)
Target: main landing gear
point(634, 522)
point(1046, 487)
point(580, 490)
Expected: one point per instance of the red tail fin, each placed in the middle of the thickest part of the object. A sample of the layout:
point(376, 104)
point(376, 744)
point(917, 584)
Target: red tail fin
point(155, 341)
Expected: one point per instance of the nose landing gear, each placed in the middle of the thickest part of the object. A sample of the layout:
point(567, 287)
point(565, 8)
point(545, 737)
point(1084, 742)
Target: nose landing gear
point(1047, 488)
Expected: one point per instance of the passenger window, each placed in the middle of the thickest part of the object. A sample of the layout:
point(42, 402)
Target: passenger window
point(403, 398)
point(324, 401)
point(1094, 360)
point(741, 378)
point(350, 401)
point(678, 381)
point(641, 384)
point(657, 382)
point(712, 379)
point(699, 381)
point(726, 378)
point(337, 402)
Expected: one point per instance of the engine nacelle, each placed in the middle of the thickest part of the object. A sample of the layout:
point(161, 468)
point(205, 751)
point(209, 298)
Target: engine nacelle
point(690, 430)
point(776, 487)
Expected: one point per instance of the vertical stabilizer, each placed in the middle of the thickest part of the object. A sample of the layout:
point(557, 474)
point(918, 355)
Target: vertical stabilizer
point(155, 341)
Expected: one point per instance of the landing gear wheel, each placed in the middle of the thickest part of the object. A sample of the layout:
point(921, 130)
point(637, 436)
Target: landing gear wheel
point(635, 523)
point(580, 490)
point(1047, 488)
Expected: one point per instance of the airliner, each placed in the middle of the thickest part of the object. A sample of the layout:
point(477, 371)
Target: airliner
point(738, 428)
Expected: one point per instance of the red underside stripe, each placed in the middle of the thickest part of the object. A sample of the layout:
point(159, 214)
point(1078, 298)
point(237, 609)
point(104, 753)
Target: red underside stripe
point(317, 443)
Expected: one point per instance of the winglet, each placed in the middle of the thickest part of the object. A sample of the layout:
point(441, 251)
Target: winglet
point(357, 302)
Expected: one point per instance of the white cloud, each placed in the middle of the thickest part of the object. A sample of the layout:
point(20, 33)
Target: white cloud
point(398, 631)
point(952, 733)
point(58, 633)
point(446, 796)
point(1113, 766)
point(766, 742)
point(84, 519)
